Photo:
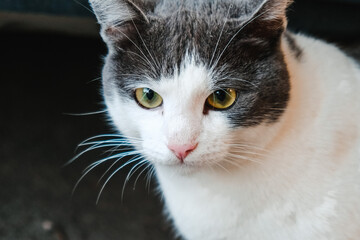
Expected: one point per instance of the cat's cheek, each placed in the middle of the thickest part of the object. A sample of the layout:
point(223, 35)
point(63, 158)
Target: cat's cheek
point(121, 112)
point(156, 151)
point(149, 124)
point(145, 126)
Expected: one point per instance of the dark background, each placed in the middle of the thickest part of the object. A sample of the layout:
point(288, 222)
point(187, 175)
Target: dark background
point(50, 63)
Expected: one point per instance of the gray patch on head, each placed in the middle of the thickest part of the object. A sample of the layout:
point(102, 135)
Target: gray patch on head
point(242, 53)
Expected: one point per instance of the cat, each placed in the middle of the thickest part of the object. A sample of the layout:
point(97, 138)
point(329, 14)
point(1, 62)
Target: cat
point(253, 131)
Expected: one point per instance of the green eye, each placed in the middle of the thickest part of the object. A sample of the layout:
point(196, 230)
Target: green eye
point(147, 98)
point(222, 99)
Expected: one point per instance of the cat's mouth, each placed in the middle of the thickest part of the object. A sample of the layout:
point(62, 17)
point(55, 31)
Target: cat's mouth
point(192, 162)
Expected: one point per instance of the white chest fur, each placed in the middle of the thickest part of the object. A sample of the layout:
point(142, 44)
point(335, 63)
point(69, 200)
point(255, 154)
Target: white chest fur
point(307, 186)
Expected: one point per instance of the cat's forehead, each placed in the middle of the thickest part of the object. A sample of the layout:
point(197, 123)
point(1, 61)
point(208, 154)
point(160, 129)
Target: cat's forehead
point(174, 28)
point(193, 79)
point(207, 8)
point(166, 42)
point(174, 37)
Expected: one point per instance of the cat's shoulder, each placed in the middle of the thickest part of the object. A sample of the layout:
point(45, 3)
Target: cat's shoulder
point(315, 60)
point(312, 48)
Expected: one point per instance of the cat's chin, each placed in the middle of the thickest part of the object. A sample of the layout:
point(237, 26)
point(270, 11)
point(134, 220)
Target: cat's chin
point(179, 168)
point(184, 168)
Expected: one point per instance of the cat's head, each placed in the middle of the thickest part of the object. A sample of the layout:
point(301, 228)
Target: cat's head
point(194, 83)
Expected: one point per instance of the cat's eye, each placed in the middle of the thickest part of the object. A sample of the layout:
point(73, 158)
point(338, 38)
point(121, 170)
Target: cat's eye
point(222, 99)
point(147, 98)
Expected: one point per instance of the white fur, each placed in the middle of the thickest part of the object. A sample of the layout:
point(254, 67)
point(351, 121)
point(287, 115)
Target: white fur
point(305, 183)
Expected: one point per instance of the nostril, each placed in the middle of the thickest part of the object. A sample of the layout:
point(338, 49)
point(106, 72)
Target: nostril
point(182, 151)
point(188, 151)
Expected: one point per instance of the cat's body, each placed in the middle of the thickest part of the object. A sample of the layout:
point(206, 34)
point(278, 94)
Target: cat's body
point(282, 162)
point(307, 184)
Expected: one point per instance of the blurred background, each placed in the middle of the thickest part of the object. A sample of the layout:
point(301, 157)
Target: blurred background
point(50, 64)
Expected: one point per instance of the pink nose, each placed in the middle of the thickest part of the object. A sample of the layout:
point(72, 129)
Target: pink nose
point(181, 151)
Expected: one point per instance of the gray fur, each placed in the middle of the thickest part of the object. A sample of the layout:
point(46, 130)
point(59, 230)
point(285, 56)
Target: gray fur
point(245, 34)
point(293, 45)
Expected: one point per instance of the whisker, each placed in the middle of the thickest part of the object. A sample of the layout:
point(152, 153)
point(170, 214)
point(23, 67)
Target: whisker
point(119, 141)
point(240, 151)
point(281, 109)
point(119, 155)
point(221, 32)
point(130, 173)
point(117, 170)
point(138, 76)
point(232, 38)
point(222, 167)
point(247, 147)
point(85, 114)
point(142, 40)
point(94, 80)
point(147, 60)
point(119, 148)
point(142, 58)
point(146, 168)
point(117, 138)
point(149, 176)
point(103, 136)
point(210, 166)
point(90, 10)
point(111, 166)
point(232, 163)
point(95, 164)
point(96, 146)
point(240, 80)
point(238, 156)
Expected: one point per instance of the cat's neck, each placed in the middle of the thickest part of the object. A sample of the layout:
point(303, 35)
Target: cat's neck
point(315, 143)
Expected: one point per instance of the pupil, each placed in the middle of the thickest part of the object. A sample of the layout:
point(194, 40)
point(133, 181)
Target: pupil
point(149, 93)
point(220, 95)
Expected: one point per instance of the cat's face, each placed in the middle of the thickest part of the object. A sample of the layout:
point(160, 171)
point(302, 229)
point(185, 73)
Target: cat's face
point(192, 85)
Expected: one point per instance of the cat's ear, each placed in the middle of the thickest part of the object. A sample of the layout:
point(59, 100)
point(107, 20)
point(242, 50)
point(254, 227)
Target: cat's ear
point(272, 9)
point(120, 19)
point(266, 17)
